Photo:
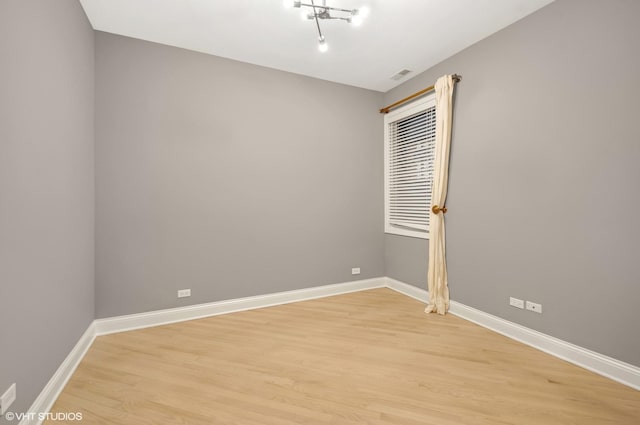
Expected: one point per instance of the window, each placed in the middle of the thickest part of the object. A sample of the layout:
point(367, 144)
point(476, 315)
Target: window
point(409, 153)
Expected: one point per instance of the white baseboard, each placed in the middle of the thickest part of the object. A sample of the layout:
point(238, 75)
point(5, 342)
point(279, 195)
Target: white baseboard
point(54, 387)
point(198, 311)
point(603, 365)
point(611, 368)
point(408, 290)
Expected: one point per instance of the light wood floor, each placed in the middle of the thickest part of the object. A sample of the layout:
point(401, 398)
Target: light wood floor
point(370, 357)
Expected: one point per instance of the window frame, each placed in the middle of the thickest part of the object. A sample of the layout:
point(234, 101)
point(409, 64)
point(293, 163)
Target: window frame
point(417, 106)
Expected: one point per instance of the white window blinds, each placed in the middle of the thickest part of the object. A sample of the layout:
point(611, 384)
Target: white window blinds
point(409, 156)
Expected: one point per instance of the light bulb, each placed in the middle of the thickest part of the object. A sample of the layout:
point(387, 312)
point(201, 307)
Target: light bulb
point(358, 15)
point(322, 44)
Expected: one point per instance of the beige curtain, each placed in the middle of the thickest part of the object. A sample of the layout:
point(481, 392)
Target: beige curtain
point(437, 273)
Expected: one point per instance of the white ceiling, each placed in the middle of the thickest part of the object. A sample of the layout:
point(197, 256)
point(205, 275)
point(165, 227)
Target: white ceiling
point(397, 34)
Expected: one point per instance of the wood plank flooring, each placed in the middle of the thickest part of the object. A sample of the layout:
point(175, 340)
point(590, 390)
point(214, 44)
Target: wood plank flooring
point(370, 357)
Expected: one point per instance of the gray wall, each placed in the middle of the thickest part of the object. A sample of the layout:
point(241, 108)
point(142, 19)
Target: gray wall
point(228, 178)
point(46, 189)
point(544, 194)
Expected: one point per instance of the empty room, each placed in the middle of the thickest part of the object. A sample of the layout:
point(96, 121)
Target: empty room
point(320, 212)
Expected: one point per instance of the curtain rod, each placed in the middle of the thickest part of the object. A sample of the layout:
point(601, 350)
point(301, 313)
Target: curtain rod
point(386, 109)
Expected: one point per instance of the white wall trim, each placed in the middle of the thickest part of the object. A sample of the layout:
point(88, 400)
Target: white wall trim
point(603, 365)
point(408, 290)
point(198, 311)
point(611, 368)
point(44, 402)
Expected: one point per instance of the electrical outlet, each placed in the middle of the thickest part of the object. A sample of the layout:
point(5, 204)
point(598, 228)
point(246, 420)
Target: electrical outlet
point(184, 293)
point(355, 270)
point(514, 302)
point(7, 398)
point(534, 307)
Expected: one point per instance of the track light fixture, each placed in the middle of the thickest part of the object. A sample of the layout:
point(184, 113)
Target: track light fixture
point(317, 12)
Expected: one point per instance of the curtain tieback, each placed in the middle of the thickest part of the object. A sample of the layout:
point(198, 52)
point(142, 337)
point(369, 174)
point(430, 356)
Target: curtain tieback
point(436, 209)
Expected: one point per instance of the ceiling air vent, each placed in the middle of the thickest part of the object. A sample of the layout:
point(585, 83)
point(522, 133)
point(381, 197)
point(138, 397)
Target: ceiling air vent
point(400, 74)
